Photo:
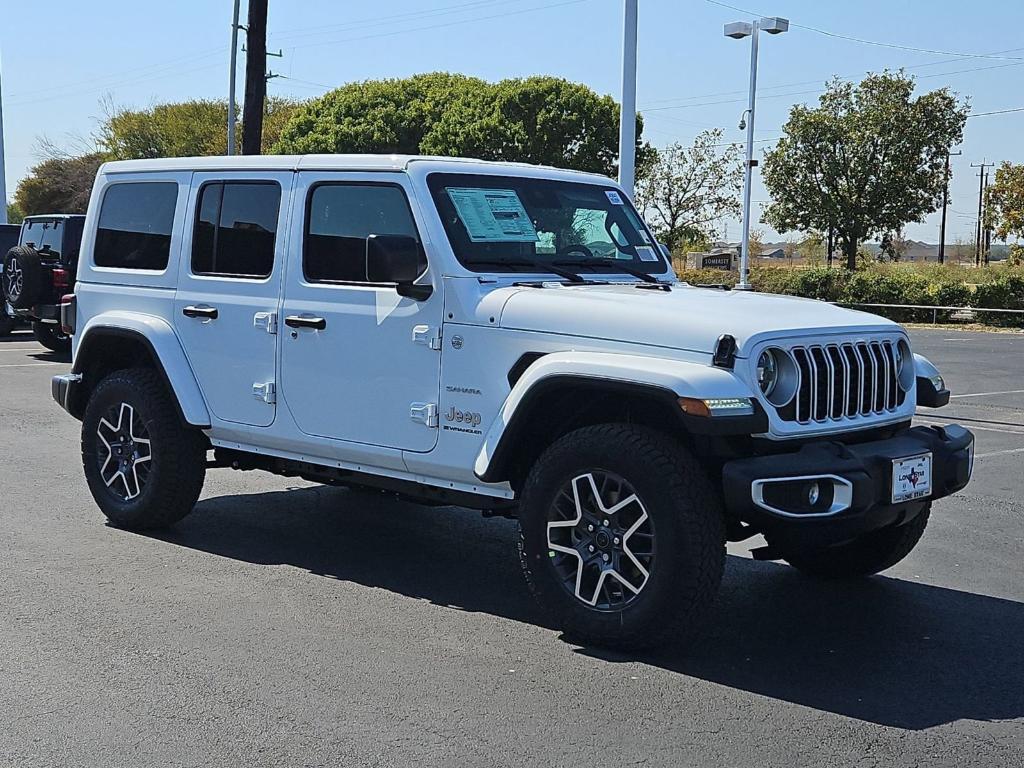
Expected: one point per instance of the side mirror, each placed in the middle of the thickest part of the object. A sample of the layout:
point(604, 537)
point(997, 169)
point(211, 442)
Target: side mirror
point(397, 259)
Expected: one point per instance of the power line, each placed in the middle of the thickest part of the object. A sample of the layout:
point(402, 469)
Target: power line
point(442, 25)
point(288, 34)
point(997, 112)
point(877, 43)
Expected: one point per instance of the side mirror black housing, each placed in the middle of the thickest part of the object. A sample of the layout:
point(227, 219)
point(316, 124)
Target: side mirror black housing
point(397, 259)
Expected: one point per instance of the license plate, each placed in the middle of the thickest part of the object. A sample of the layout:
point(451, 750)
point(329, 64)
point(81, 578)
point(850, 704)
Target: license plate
point(911, 478)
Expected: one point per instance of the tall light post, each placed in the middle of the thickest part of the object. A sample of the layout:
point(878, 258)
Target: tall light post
point(231, 80)
point(3, 170)
point(627, 113)
point(738, 30)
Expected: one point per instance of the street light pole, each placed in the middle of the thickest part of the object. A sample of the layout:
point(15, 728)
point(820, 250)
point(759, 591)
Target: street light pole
point(627, 113)
point(3, 170)
point(748, 167)
point(231, 80)
point(738, 30)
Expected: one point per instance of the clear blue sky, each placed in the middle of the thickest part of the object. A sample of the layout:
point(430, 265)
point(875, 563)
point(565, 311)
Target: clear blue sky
point(61, 58)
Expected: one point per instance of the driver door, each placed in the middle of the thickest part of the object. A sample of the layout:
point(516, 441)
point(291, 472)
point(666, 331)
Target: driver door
point(359, 362)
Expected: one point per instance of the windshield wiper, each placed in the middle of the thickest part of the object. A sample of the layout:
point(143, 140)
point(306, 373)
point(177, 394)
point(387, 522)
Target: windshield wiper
point(616, 266)
point(541, 266)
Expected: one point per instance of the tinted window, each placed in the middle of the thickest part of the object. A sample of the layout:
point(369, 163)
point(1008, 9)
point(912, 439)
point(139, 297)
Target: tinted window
point(135, 225)
point(236, 225)
point(50, 239)
point(339, 219)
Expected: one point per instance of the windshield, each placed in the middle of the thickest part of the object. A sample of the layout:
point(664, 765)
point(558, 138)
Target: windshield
point(515, 224)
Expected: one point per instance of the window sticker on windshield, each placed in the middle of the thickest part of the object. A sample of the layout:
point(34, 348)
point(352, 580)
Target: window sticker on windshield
point(492, 215)
point(646, 253)
point(613, 197)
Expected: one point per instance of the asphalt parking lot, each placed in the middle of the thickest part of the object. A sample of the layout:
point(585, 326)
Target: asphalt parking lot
point(305, 626)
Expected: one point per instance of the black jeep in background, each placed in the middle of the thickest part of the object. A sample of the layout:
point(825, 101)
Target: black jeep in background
point(37, 272)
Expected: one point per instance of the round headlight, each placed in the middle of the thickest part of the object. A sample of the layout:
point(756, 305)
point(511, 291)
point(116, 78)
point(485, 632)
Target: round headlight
point(904, 365)
point(768, 371)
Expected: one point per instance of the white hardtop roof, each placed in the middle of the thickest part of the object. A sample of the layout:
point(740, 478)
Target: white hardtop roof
point(338, 163)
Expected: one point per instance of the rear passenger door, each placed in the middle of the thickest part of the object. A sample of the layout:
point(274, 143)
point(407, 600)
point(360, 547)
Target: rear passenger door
point(229, 290)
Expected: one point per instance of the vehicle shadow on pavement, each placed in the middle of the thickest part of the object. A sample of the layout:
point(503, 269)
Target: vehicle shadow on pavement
point(449, 556)
point(883, 650)
point(888, 651)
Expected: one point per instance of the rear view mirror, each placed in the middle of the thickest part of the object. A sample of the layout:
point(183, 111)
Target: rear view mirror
point(397, 259)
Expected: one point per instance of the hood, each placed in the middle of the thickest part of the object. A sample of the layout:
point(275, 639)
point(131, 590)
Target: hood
point(685, 318)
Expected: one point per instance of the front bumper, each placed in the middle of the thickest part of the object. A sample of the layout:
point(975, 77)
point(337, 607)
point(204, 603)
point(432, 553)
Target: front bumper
point(63, 388)
point(859, 483)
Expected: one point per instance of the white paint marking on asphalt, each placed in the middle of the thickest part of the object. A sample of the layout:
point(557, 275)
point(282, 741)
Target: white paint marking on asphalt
point(975, 426)
point(28, 365)
point(999, 453)
point(987, 394)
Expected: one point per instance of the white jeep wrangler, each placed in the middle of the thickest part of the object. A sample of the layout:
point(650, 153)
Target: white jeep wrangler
point(497, 336)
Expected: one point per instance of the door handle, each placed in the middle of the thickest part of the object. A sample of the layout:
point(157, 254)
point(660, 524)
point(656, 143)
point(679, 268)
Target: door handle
point(297, 321)
point(207, 313)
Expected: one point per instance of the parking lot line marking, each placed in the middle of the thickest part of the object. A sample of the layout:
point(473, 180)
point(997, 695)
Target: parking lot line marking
point(986, 394)
point(999, 453)
point(975, 426)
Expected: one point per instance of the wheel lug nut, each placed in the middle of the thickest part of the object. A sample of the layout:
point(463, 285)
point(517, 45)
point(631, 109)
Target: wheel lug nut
point(605, 557)
point(616, 540)
point(590, 528)
point(590, 548)
point(605, 523)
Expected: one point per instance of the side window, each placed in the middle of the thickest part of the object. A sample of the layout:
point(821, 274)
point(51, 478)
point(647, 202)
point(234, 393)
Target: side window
point(236, 225)
point(339, 218)
point(134, 231)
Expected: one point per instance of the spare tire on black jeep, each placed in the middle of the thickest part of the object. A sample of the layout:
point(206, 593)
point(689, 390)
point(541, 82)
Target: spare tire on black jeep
point(22, 279)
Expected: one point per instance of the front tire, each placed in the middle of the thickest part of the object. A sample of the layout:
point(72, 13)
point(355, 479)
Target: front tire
point(864, 556)
point(52, 337)
point(622, 538)
point(145, 467)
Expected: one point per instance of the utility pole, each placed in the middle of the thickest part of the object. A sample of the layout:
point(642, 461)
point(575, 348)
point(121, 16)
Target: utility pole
point(3, 178)
point(627, 112)
point(831, 244)
point(945, 204)
point(987, 242)
point(233, 67)
point(981, 195)
point(255, 78)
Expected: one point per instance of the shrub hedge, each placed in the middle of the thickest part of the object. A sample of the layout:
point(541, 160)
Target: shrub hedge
point(996, 287)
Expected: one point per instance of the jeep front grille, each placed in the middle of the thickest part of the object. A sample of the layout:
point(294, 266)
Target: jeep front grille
point(844, 381)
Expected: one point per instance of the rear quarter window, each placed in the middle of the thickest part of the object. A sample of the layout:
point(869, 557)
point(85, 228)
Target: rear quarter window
point(135, 224)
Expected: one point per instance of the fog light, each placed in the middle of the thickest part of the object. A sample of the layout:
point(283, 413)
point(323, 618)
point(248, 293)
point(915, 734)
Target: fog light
point(813, 494)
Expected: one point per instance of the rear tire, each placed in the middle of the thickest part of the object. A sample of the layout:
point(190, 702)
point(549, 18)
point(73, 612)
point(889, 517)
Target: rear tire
point(144, 466)
point(667, 565)
point(22, 278)
point(865, 556)
point(52, 337)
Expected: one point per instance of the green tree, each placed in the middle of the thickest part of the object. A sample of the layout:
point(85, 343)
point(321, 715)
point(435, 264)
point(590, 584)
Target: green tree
point(185, 129)
point(388, 116)
point(686, 191)
point(14, 214)
point(541, 120)
point(869, 159)
point(58, 185)
point(1006, 201)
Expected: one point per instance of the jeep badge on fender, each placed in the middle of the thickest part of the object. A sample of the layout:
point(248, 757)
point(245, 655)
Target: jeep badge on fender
point(326, 345)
